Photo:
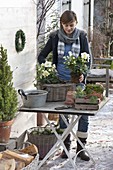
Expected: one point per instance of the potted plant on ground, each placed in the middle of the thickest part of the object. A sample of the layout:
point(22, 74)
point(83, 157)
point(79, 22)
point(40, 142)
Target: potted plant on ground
point(43, 137)
point(8, 97)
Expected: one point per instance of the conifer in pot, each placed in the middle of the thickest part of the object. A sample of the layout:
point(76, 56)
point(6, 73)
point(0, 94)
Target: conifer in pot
point(8, 94)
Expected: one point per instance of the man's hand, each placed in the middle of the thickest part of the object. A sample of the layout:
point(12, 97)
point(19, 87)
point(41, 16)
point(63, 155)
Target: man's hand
point(81, 78)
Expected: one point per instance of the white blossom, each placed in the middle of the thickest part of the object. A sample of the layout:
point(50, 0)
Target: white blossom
point(45, 73)
point(70, 53)
point(54, 66)
point(85, 56)
point(43, 65)
point(48, 64)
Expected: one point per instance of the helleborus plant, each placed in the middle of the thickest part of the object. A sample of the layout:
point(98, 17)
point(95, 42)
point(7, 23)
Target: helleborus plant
point(46, 73)
point(77, 65)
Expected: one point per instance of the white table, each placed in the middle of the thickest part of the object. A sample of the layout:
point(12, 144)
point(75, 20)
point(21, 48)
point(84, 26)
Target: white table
point(76, 115)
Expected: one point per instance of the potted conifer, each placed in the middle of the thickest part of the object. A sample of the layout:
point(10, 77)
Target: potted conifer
point(8, 97)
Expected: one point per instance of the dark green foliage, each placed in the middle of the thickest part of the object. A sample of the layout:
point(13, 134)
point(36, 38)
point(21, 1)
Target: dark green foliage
point(8, 94)
point(91, 91)
point(45, 130)
point(90, 88)
point(80, 93)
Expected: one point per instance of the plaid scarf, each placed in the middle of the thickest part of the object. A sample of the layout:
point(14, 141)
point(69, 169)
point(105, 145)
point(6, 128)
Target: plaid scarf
point(75, 41)
point(75, 49)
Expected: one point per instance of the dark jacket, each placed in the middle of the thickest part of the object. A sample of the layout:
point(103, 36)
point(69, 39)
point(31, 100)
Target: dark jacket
point(52, 43)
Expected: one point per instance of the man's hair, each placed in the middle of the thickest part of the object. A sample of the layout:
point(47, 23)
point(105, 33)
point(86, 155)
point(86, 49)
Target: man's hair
point(68, 16)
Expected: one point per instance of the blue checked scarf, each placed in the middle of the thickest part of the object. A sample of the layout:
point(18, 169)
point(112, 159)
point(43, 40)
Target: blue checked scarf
point(74, 40)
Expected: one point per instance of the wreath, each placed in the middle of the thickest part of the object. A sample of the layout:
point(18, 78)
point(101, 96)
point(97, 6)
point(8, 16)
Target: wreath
point(19, 40)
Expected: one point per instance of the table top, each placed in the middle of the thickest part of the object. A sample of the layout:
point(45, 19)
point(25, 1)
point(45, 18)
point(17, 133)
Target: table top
point(49, 107)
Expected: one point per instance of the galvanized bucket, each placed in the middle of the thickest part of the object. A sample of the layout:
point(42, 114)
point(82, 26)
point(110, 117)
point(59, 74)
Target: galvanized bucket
point(33, 98)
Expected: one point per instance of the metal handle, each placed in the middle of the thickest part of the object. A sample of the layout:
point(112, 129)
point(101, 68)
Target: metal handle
point(22, 93)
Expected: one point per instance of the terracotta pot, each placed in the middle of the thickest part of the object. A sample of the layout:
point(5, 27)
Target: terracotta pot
point(5, 130)
point(70, 98)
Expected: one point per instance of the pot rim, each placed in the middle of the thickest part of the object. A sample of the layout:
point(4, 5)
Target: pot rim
point(34, 92)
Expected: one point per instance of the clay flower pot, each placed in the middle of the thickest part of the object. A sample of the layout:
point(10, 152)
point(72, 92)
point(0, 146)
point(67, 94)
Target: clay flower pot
point(5, 129)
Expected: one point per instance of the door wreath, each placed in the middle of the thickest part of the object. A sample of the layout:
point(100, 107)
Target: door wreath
point(19, 40)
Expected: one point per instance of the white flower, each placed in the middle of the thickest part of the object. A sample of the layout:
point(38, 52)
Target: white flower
point(85, 56)
point(48, 64)
point(54, 66)
point(70, 53)
point(43, 65)
point(50, 69)
point(45, 73)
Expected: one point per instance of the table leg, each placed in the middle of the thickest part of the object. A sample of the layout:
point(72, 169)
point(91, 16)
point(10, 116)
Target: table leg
point(61, 138)
point(64, 119)
point(59, 143)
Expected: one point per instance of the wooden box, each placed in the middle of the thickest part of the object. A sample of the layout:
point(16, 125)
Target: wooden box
point(87, 104)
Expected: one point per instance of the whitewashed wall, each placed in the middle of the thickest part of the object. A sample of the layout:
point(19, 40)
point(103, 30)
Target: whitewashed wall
point(78, 8)
point(15, 15)
point(81, 8)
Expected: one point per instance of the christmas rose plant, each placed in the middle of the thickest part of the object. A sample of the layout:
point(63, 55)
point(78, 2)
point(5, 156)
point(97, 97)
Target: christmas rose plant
point(46, 74)
point(77, 65)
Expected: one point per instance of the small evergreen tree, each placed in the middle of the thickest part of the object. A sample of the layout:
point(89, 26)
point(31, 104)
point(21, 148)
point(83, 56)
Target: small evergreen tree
point(8, 94)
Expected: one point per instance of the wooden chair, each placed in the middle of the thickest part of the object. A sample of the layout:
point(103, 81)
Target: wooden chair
point(101, 73)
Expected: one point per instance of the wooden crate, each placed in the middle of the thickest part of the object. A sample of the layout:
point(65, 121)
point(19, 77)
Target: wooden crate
point(87, 104)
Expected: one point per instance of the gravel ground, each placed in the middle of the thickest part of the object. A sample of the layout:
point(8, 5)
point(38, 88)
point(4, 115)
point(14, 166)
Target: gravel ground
point(99, 145)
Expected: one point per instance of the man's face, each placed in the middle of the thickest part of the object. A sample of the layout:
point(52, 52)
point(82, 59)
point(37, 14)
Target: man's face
point(69, 27)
